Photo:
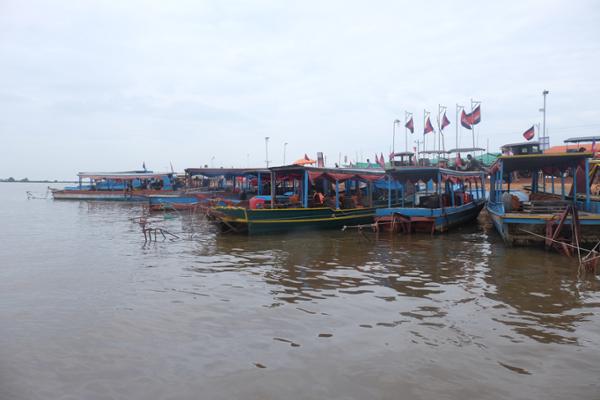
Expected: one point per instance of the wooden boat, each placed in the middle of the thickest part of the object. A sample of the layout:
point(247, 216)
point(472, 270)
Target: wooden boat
point(304, 197)
point(172, 202)
point(564, 218)
point(433, 199)
point(118, 186)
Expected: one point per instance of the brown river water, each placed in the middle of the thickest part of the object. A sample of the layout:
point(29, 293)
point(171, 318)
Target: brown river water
point(88, 311)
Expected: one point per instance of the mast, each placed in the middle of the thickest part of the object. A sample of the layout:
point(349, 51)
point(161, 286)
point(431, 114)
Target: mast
point(407, 115)
point(458, 109)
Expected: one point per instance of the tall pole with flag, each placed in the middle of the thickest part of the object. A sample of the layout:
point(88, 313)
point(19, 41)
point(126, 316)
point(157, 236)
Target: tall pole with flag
point(459, 108)
point(408, 125)
point(474, 118)
point(425, 115)
point(442, 123)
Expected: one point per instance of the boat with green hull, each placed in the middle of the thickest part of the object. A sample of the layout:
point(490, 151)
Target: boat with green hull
point(243, 220)
point(303, 198)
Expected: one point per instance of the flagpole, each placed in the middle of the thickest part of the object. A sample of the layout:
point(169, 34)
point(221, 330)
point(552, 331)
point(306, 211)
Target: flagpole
point(424, 120)
point(458, 108)
point(474, 104)
point(439, 131)
point(442, 109)
point(473, 125)
point(407, 115)
point(396, 122)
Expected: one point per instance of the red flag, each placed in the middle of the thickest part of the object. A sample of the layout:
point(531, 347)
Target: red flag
point(410, 125)
point(445, 122)
point(428, 126)
point(306, 157)
point(465, 120)
point(529, 133)
point(382, 161)
point(475, 116)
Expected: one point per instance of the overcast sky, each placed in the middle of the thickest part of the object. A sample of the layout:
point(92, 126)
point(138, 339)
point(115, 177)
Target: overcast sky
point(107, 85)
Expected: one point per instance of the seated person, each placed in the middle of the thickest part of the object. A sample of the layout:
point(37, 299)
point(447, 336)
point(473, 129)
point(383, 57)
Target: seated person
point(294, 199)
point(318, 198)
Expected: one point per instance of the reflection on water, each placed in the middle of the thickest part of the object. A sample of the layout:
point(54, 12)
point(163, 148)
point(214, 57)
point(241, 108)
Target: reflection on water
point(307, 315)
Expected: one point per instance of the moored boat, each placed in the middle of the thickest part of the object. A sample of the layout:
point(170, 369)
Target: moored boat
point(306, 198)
point(118, 186)
point(552, 213)
point(432, 199)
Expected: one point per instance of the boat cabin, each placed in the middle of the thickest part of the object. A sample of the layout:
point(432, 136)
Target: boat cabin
point(402, 159)
point(128, 180)
point(581, 144)
point(306, 187)
point(517, 149)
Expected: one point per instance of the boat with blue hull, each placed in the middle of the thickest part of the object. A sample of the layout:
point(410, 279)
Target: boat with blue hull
point(433, 199)
point(118, 186)
point(552, 213)
point(171, 202)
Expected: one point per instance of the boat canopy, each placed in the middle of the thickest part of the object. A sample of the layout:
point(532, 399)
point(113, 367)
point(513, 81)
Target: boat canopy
point(434, 152)
point(466, 150)
point(334, 174)
point(582, 139)
point(425, 174)
point(530, 162)
point(226, 172)
point(124, 176)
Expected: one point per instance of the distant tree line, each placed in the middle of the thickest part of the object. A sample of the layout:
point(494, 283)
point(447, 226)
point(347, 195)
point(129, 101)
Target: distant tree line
point(11, 179)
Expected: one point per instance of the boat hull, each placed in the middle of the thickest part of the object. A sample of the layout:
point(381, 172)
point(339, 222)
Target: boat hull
point(172, 202)
point(438, 219)
point(517, 229)
point(242, 220)
point(104, 195)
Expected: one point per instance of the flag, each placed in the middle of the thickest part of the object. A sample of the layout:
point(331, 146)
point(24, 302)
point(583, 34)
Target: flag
point(475, 116)
point(306, 157)
point(465, 120)
point(529, 133)
point(410, 125)
point(144, 165)
point(445, 122)
point(428, 126)
point(381, 161)
point(458, 161)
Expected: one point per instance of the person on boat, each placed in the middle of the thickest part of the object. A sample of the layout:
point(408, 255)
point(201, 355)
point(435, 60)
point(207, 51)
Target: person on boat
point(318, 198)
point(473, 164)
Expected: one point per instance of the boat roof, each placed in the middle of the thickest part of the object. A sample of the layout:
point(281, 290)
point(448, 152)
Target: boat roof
point(403, 153)
point(433, 152)
point(532, 143)
point(580, 139)
point(415, 174)
point(465, 150)
point(348, 171)
point(213, 172)
point(124, 175)
point(561, 161)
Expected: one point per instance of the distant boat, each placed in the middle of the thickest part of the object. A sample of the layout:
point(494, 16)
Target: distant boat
point(431, 199)
point(118, 186)
point(304, 198)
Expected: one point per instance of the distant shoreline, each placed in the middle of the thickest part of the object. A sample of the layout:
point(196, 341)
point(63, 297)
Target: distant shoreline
point(5, 181)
